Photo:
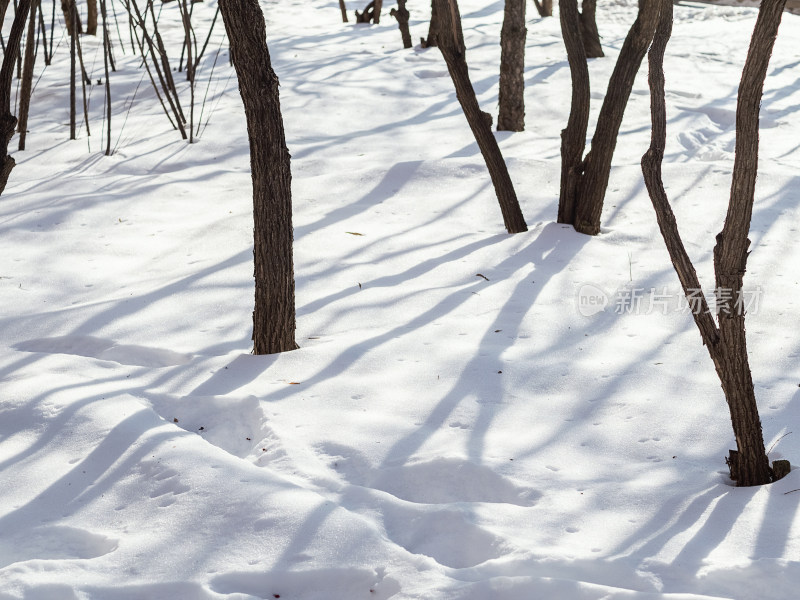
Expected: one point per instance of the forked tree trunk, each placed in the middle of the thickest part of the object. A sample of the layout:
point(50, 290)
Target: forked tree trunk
point(27, 76)
point(274, 314)
point(589, 33)
point(726, 343)
point(8, 122)
point(450, 40)
point(512, 66)
point(584, 197)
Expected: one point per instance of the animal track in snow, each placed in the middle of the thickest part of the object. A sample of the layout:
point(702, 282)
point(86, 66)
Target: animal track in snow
point(105, 349)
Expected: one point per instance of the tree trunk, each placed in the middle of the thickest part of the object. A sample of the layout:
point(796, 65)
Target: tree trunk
point(730, 253)
point(274, 314)
point(91, 17)
point(450, 40)
point(27, 76)
point(402, 16)
point(726, 344)
point(376, 11)
point(433, 28)
point(589, 33)
point(106, 61)
point(8, 122)
point(512, 67)
point(591, 188)
point(573, 137)
point(544, 8)
point(344, 11)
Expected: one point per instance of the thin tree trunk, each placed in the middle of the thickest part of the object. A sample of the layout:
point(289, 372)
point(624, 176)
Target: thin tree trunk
point(597, 164)
point(72, 58)
point(376, 11)
point(43, 30)
point(274, 314)
point(107, 57)
point(573, 137)
point(27, 76)
point(8, 122)
point(512, 66)
point(589, 33)
point(402, 16)
point(450, 40)
point(726, 344)
point(344, 11)
point(187, 25)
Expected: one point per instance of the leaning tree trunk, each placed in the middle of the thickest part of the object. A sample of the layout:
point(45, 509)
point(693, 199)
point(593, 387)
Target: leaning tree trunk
point(274, 314)
point(512, 65)
point(344, 11)
point(589, 33)
point(726, 343)
point(8, 122)
point(590, 189)
point(450, 40)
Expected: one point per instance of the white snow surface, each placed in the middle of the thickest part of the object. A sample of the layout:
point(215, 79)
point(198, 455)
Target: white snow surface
point(455, 424)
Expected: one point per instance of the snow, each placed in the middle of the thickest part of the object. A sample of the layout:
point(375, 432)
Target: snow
point(456, 424)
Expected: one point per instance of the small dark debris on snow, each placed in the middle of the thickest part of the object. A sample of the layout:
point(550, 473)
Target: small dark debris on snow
point(248, 439)
point(482, 275)
point(175, 420)
point(201, 429)
point(499, 371)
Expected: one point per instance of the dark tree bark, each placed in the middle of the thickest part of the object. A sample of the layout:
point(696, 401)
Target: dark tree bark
point(376, 16)
point(589, 33)
point(8, 122)
point(450, 40)
point(730, 252)
point(368, 14)
point(544, 8)
point(512, 66)
point(344, 11)
point(91, 17)
point(402, 16)
point(73, 41)
point(726, 343)
point(27, 76)
point(106, 61)
point(68, 20)
point(573, 137)
point(274, 314)
point(433, 28)
point(584, 197)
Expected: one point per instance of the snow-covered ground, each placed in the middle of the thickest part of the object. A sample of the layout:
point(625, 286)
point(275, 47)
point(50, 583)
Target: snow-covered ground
point(457, 424)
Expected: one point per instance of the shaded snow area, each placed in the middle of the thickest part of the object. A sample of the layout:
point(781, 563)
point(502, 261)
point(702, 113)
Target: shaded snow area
point(471, 415)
